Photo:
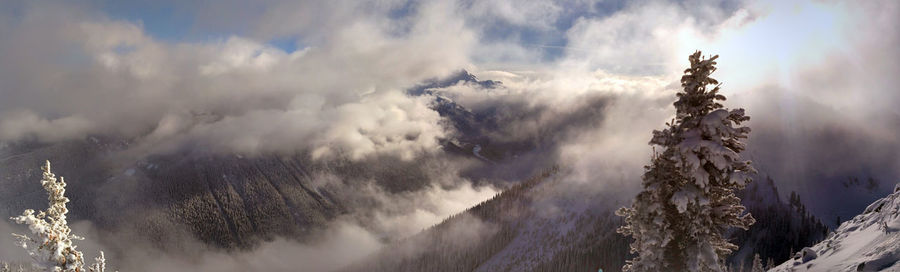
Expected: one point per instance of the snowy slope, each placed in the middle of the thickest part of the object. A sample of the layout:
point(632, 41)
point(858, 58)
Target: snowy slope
point(868, 242)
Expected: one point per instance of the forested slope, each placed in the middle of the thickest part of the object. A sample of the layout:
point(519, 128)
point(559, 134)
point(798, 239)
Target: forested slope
point(229, 201)
point(518, 231)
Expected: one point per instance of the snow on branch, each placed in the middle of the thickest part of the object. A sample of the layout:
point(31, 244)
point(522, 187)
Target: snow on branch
point(51, 244)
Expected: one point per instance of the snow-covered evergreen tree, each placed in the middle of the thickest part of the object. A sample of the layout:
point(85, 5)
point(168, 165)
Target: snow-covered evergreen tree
point(52, 248)
point(100, 263)
point(757, 264)
point(688, 200)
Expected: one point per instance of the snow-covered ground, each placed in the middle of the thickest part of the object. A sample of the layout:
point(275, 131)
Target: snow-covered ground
point(869, 242)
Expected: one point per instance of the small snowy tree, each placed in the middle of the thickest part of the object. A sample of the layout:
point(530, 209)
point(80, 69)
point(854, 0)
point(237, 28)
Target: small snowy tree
point(688, 200)
point(52, 247)
point(99, 263)
point(757, 264)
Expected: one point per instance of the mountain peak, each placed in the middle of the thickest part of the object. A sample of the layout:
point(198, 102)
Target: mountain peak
point(462, 76)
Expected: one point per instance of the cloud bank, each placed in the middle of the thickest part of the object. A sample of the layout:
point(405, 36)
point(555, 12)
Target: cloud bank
point(67, 75)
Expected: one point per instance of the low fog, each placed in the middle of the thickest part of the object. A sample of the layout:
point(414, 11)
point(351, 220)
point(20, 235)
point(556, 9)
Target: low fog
point(582, 90)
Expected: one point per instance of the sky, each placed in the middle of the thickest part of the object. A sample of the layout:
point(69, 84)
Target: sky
point(818, 79)
point(153, 63)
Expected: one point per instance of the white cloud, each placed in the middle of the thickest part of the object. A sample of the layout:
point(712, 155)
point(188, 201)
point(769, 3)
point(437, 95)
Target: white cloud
point(344, 94)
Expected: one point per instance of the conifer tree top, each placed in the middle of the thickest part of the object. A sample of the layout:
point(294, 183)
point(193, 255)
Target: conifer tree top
point(51, 245)
point(695, 99)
